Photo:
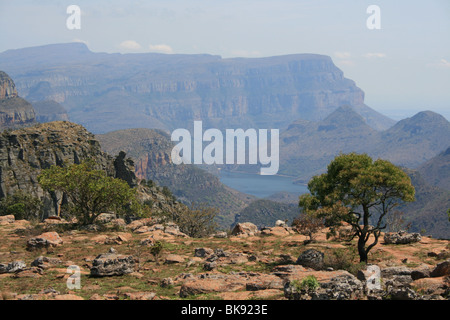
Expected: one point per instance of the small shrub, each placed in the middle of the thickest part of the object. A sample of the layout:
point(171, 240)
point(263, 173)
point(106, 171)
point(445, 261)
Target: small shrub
point(197, 221)
point(22, 206)
point(309, 283)
point(156, 250)
point(343, 259)
point(307, 225)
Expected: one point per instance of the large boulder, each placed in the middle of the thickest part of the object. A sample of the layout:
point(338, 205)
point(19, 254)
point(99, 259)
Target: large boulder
point(401, 237)
point(396, 276)
point(7, 219)
point(311, 258)
point(442, 269)
point(45, 240)
point(112, 264)
point(12, 267)
point(344, 286)
point(244, 229)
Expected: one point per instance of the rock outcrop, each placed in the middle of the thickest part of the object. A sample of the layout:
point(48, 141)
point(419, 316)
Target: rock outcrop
point(112, 264)
point(311, 258)
point(25, 152)
point(45, 240)
point(14, 111)
point(7, 87)
point(401, 237)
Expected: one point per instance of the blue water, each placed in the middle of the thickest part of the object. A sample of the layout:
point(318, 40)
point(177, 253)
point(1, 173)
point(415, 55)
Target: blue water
point(260, 186)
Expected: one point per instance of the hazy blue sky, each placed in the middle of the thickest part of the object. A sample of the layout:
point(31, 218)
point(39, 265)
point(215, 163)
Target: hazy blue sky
point(404, 67)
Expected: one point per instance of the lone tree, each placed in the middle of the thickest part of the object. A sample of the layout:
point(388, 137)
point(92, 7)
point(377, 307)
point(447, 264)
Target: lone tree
point(91, 192)
point(357, 190)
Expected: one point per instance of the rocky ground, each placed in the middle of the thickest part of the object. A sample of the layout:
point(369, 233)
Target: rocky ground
point(119, 261)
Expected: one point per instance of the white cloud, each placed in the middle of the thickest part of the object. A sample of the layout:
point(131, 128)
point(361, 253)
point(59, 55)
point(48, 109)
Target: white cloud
point(342, 55)
point(442, 64)
point(130, 45)
point(161, 48)
point(371, 55)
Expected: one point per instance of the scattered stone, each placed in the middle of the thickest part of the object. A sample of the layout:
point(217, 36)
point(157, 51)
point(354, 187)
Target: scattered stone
point(150, 241)
point(420, 273)
point(264, 282)
point(118, 223)
point(401, 293)
point(209, 266)
point(166, 283)
point(311, 258)
point(45, 240)
point(7, 219)
point(276, 231)
point(32, 272)
point(219, 283)
point(286, 259)
point(112, 264)
point(173, 258)
point(118, 239)
point(397, 276)
point(244, 229)
point(12, 267)
point(343, 287)
point(140, 295)
point(442, 269)
point(203, 252)
point(136, 224)
point(401, 237)
point(45, 262)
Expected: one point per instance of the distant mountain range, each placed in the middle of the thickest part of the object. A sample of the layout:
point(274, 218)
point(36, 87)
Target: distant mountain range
point(320, 114)
point(307, 147)
point(106, 92)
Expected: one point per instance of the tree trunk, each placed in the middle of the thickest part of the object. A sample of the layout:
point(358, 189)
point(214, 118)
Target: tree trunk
point(361, 249)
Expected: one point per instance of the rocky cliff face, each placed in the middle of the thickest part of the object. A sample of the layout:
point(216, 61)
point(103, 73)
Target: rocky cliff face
point(14, 111)
point(170, 91)
point(7, 87)
point(25, 152)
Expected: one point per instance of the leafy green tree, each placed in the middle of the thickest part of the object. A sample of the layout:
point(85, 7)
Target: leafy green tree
point(22, 206)
point(91, 192)
point(359, 191)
